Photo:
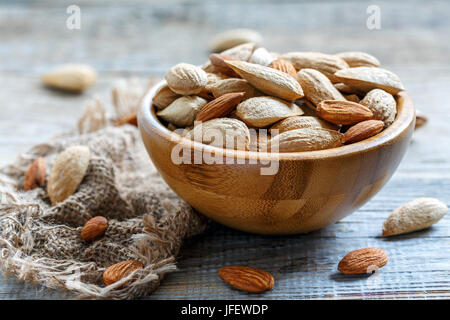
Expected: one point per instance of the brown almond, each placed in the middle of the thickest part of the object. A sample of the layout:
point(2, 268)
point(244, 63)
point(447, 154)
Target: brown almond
point(317, 87)
point(343, 112)
point(362, 130)
point(363, 261)
point(220, 107)
point(129, 119)
point(284, 66)
point(35, 176)
point(218, 61)
point(247, 279)
point(268, 80)
point(120, 270)
point(94, 228)
point(368, 78)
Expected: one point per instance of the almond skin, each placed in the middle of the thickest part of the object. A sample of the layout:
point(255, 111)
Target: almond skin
point(220, 107)
point(120, 270)
point(268, 80)
point(35, 176)
point(284, 66)
point(94, 228)
point(247, 279)
point(362, 130)
point(343, 112)
point(218, 61)
point(360, 261)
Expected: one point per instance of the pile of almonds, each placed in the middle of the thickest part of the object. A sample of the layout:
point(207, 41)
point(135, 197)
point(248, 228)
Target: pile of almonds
point(305, 101)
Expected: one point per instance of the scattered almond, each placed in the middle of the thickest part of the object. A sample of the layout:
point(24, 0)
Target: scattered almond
point(284, 66)
point(247, 279)
point(70, 77)
point(220, 107)
point(186, 79)
point(299, 122)
point(343, 112)
point(317, 87)
point(263, 111)
point(368, 78)
point(94, 228)
point(35, 175)
point(182, 112)
point(67, 172)
point(268, 80)
point(416, 215)
point(363, 261)
point(362, 130)
point(382, 105)
point(120, 270)
point(359, 59)
point(327, 64)
point(305, 139)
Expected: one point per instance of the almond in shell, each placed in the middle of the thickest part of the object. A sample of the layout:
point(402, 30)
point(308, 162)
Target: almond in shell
point(67, 172)
point(164, 96)
point(368, 78)
point(262, 57)
point(268, 80)
point(247, 279)
point(359, 59)
point(263, 111)
point(327, 64)
point(218, 61)
point(343, 112)
point(416, 215)
point(182, 112)
point(317, 87)
point(35, 175)
point(299, 122)
point(234, 85)
point(362, 130)
point(222, 133)
point(362, 261)
point(382, 105)
point(70, 77)
point(186, 79)
point(305, 139)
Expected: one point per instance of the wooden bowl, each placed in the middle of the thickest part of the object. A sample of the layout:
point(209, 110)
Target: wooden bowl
point(309, 191)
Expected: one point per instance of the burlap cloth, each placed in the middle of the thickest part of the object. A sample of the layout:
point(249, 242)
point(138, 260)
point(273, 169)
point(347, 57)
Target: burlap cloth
point(147, 221)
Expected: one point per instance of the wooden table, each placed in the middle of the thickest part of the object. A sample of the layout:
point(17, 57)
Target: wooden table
point(144, 39)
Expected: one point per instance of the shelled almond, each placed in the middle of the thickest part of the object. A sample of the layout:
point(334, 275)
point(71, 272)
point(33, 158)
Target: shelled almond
point(305, 100)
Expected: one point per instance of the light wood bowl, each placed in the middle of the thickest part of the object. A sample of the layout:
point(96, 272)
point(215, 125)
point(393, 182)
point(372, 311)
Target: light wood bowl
point(310, 190)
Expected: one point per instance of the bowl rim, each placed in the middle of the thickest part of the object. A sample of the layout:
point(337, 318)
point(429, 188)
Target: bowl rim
point(405, 118)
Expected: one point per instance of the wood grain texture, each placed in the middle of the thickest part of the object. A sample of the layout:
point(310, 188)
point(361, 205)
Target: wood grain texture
point(155, 36)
